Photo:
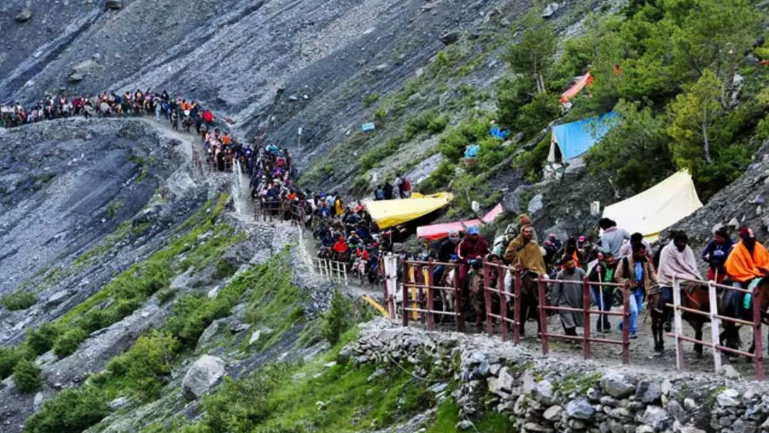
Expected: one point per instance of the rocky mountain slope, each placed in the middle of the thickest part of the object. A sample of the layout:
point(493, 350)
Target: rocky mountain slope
point(135, 282)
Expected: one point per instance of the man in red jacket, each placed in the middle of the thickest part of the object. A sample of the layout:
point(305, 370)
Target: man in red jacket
point(208, 116)
point(472, 247)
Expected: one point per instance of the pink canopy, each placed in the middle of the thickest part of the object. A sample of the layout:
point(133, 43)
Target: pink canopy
point(574, 90)
point(440, 231)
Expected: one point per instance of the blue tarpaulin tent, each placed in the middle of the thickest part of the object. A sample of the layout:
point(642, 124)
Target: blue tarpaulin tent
point(574, 139)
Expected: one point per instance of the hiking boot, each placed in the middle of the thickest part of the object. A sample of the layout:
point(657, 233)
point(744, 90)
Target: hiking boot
point(667, 327)
point(634, 337)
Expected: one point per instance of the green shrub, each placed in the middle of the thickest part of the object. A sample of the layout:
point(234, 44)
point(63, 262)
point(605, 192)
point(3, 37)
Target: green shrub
point(441, 177)
point(369, 99)
point(20, 300)
point(375, 156)
point(68, 342)
point(241, 405)
point(72, 411)
point(452, 144)
point(224, 269)
point(144, 368)
point(41, 340)
point(27, 376)
point(338, 318)
point(9, 357)
point(427, 121)
point(532, 163)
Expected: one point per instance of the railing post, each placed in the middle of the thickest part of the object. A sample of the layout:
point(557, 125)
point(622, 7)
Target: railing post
point(517, 308)
point(430, 301)
point(757, 337)
point(678, 323)
point(625, 324)
point(542, 313)
point(502, 299)
point(458, 300)
point(715, 332)
point(487, 296)
point(586, 318)
point(404, 302)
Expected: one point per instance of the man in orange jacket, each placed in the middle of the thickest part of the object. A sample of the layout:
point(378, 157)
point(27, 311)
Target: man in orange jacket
point(748, 260)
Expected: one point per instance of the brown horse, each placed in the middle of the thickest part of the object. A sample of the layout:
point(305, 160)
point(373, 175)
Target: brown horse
point(696, 298)
point(732, 305)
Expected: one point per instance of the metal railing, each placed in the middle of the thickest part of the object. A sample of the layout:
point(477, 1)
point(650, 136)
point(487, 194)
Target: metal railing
point(419, 291)
point(587, 312)
point(715, 326)
point(504, 297)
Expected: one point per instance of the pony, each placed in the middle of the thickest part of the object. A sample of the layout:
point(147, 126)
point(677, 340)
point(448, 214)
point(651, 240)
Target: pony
point(693, 297)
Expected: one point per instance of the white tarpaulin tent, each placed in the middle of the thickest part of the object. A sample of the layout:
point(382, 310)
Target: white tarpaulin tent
point(657, 208)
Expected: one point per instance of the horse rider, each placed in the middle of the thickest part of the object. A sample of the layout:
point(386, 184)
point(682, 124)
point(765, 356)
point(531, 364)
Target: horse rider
point(716, 253)
point(747, 261)
point(676, 260)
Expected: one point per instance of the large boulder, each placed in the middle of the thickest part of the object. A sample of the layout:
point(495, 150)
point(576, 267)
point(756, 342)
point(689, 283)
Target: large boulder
point(24, 16)
point(204, 374)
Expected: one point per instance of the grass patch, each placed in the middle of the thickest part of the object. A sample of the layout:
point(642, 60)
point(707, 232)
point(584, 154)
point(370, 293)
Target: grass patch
point(447, 417)
point(19, 300)
point(369, 99)
point(128, 291)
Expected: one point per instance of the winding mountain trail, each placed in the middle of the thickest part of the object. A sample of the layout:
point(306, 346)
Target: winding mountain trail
point(246, 212)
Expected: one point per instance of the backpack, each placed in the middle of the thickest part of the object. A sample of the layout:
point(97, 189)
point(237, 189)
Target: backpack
point(406, 184)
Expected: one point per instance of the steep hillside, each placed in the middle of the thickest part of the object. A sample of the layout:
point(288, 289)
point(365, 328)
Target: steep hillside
point(142, 294)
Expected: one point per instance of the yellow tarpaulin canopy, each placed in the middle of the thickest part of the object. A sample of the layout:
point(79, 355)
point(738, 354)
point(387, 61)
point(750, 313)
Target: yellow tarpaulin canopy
point(389, 213)
point(657, 208)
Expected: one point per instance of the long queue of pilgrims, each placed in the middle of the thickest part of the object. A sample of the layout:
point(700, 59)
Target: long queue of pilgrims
point(346, 233)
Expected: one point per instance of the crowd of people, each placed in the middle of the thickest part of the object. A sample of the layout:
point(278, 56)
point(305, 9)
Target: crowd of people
point(346, 233)
point(221, 148)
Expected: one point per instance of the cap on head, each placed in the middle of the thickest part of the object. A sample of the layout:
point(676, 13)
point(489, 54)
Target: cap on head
point(453, 233)
point(747, 233)
point(582, 239)
point(472, 230)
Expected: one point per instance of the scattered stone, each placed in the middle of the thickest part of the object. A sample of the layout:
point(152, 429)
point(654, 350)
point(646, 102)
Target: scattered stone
point(751, 60)
point(536, 204)
point(730, 372)
point(464, 425)
point(114, 4)
point(542, 392)
point(76, 78)
point(553, 413)
point(728, 398)
point(24, 15)
point(451, 37)
point(56, 299)
point(204, 374)
point(580, 409)
point(381, 68)
point(656, 417)
point(38, 401)
point(649, 392)
point(119, 403)
point(616, 386)
point(550, 10)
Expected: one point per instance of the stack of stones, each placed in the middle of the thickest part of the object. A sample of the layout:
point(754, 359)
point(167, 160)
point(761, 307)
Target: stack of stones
point(547, 395)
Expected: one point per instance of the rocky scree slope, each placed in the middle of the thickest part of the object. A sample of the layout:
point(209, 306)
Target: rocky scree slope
point(261, 63)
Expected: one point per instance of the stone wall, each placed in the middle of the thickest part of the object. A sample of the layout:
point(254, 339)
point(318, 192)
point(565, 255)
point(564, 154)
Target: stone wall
point(558, 394)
